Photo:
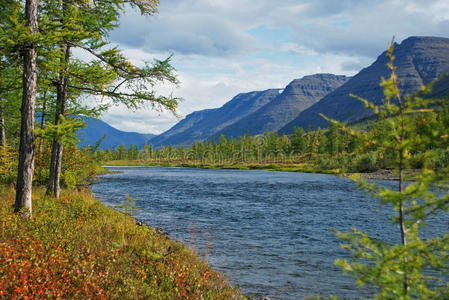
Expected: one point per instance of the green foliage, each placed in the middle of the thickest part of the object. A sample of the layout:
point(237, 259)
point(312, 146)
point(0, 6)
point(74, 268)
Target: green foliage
point(333, 144)
point(328, 163)
point(70, 179)
point(298, 140)
point(64, 132)
point(413, 267)
point(8, 164)
point(79, 167)
point(367, 162)
point(438, 159)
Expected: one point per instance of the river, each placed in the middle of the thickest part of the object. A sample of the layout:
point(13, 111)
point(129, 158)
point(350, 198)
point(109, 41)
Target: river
point(269, 232)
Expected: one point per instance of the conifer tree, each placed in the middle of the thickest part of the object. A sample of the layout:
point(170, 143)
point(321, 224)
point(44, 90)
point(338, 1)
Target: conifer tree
point(413, 267)
point(333, 139)
point(26, 148)
point(298, 140)
point(146, 152)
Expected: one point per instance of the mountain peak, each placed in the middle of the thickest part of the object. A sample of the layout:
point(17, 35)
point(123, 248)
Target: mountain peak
point(412, 40)
point(419, 61)
point(320, 76)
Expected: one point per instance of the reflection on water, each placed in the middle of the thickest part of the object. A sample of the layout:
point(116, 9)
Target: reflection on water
point(269, 232)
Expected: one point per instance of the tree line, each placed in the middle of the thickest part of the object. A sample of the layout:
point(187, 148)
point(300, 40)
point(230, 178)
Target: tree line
point(329, 148)
point(246, 148)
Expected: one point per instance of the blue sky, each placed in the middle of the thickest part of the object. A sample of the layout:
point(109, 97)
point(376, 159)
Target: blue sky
point(225, 47)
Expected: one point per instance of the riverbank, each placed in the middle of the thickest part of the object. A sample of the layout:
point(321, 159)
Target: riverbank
point(284, 167)
point(382, 174)
point(76, 247)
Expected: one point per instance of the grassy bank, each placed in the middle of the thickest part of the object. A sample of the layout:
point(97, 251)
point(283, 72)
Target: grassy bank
point(270, 166)
point(75, 247)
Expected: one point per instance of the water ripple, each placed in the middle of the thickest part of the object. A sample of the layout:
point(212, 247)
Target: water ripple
point(269, 232)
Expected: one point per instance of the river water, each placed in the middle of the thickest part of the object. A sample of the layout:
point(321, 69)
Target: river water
point(269, 232)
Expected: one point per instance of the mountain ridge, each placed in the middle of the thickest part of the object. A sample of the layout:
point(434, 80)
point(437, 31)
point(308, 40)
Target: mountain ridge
point(419, 61)
point(95, 130)
point(203, 124)
point(298, 95)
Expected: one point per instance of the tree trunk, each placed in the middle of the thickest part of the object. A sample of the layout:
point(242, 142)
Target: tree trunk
point(26, 148)
point(2, 127)
point(44, 108)
point(402, 227)
point(54, 185)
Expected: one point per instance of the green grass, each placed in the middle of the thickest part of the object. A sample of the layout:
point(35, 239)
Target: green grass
point(284, 167)
point(75, 247)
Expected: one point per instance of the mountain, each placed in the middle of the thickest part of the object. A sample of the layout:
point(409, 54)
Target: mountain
point(440, 89)
point(96, 129)
point(203, 124)
point(419, 61)
point(299, 95)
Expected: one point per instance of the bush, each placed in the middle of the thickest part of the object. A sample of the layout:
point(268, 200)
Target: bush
point(78, 166)
point(328, 163)
point(367, 162)
point(439, 159)
point(8, 164)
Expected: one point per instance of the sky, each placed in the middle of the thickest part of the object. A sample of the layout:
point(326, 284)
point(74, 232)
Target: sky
point(224, 47)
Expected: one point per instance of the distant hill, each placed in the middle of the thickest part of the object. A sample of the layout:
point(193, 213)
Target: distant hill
point(419, 61)
point(203, 124)
point(96, 129)
point(299, 95)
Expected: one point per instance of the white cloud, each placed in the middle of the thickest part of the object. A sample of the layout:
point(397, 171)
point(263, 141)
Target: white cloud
point(143, 121)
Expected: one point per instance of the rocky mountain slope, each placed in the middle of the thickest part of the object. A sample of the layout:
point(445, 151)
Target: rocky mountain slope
point(299, 95)
point(203, 124)
point(419, 61)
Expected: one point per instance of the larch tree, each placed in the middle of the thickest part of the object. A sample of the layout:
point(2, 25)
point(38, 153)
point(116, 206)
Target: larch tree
point(85, 25)
point(26, 148)
point(298, 140)
point(416, 266)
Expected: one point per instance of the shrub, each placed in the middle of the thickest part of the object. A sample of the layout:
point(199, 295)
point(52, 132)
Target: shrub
point(77, 248)
point(367, 162)
point(8, 164)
